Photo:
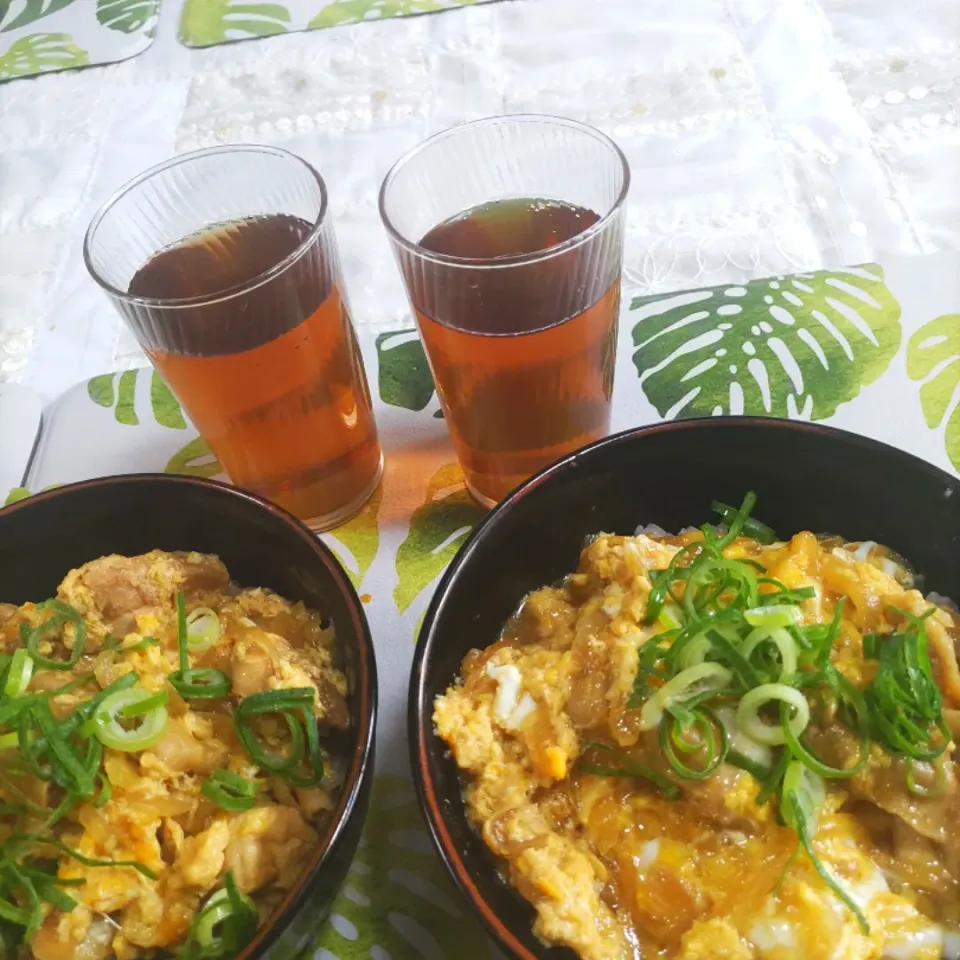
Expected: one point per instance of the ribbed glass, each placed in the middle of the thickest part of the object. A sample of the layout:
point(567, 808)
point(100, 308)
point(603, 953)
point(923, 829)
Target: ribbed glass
point(521, 346)
point(225, 266)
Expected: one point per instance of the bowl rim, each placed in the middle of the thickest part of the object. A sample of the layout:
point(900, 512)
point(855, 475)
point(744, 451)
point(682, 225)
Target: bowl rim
point(361, 763)
point(420, 731)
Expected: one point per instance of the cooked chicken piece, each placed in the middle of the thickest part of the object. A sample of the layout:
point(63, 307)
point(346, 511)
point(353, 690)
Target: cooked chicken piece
point(7, 610)
point(265, 661)
point(267, 843)
point(201, 857)
point(113, 589)
point(179, 750)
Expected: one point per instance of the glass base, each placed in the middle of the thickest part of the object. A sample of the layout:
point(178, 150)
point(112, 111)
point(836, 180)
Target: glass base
point(349, 511)
point(483, 501)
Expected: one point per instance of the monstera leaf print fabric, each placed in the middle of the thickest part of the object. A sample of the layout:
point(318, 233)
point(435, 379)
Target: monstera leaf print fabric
point(868, 348)
point(207, 22)
point(38, 36)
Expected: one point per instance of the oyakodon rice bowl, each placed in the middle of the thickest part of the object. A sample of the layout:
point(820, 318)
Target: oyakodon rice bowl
point(163, 781)
point(721, 746)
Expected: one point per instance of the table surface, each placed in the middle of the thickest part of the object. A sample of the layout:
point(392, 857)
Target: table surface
point(763, 137)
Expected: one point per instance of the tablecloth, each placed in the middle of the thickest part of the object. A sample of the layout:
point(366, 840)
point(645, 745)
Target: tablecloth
point(873, 348)
point(763, 136)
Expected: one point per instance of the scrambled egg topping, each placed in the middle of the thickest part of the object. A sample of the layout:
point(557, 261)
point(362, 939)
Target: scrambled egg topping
point(156, 813)
point(616, 870)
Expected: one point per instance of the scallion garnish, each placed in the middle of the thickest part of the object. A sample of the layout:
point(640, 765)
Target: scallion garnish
point(224, 926)
point(801, 800)
point(147, 709)
point(63, 614)
point(904, 702)
point(203, 629)
point(302, 764)
point(229, 790)
point(19, 674)
point(625, 767)
point(194, 683)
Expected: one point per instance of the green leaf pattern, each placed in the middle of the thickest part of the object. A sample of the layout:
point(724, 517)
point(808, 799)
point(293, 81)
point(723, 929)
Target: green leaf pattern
point(437, 529)
point(166, 408)
point(356, 542)
point(353, 11)
point(416, 910)
point(794, 346)
point(195, 459)
point(933, 358)
point(119, 391)
point(206, 22)
point(16, 495)
point(31, 11)
point(39, 52)
point(38, 36)
point(127, 16)
point(404, 374)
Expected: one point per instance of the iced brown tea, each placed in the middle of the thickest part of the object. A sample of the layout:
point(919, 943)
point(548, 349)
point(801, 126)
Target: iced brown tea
point(272, 376)
point(523, 365)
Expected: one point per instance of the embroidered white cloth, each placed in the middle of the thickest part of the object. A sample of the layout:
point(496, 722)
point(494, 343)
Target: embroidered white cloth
point(763, 138)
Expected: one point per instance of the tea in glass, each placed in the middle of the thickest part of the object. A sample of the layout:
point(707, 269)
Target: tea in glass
point(521, 383)
point(515, 285)
point(246, 319)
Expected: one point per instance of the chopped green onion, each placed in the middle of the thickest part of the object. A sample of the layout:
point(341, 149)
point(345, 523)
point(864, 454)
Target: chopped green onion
point(740, 521)
point(674, 732)
point(935, 789)
point(904, 702)
point(143, 644)
point(195, 683)
point(139, 708)
point(200, 683)
point(105, 794)
point(748, 712)
point(73, 773)
point(52, 841)
point(688, 683)
point(203, 629)
point(63, 613)
point(224, 926)
point(757, 770)
point(229, 790)
point(19, 674)
point(785, 644)
point(295, 706)
point(800, 806)
point(777, 615)
point(625, 768)
point(148, 708)
point(669, 616)
point(799, 750)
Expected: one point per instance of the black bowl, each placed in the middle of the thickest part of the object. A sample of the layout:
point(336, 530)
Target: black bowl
point(805, 476)
point(45, 536)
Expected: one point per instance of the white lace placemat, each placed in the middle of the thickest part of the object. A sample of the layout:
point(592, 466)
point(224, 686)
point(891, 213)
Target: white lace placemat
point(763, 139)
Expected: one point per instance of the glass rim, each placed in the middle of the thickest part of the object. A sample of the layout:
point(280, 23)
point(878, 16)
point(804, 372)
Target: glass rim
point(265, 276)
point(519, 259)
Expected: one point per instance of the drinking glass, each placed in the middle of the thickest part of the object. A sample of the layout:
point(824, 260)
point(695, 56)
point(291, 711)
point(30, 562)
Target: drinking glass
point(224, 264)
point(509, 234)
